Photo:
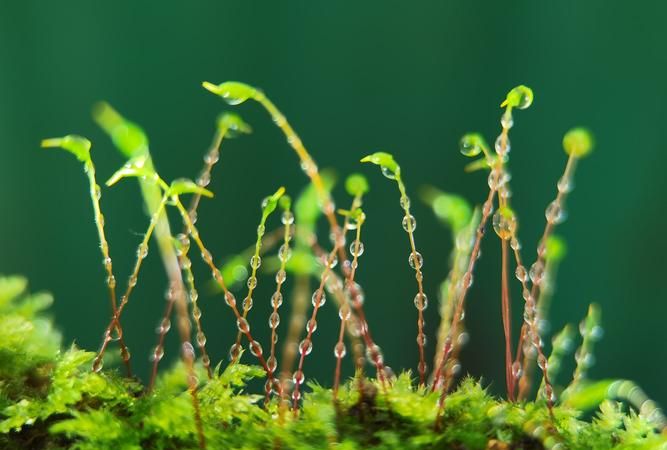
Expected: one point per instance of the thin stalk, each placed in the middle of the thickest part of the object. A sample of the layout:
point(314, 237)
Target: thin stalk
point(466, 282)
point(284, 254)
point(296, 324)
point(230, 300)
point(268, 206)
point(210, 159)
point(95, 194)
point(507, 324)
point(142, 251)
point(306, 345)
point(537, 269)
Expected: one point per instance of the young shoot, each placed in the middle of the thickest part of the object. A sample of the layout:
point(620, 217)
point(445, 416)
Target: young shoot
point(80, 147)
point(392, 170)
point(235, 93)
point(269, 204)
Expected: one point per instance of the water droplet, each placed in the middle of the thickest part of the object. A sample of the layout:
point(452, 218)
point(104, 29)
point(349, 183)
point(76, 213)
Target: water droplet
point(277, 299)
point(230, 299)
point(158, 353)
point(204, 179)
point(339, 350)
point(201, 339)
point(243, 325)
point(247, 303)
point(186, 263)
point(416, 260)
point(470, 145)
point(466, 280)
point(261, 229)
point(318, 298)
point(255, 261)
point(163, 327)
point(374, 354)
point(252, 282)
point(311, 326)
point(421, 339)
point(287, 218)
point(98, 364)
point(504, 223)
point(502, 145)
point(388, 172)
point(234, 351)
point(409, 223)
point(405, 201)
point(132, 281)
point(274, 320)
point(272, 364)
point(495, 179)
point(521, 274)
point(565, 185)
point(507, 121)
point(536, 272)
point(487, 210)
point(344, 312)
point(111, 281)
point(196, 313)
point(281, 275)
point(305, 347)
point(357, 248)
point(554, 213)
point(298, 378)
point(206, 256)
point(256, 348)
point(212, 157)
point(515, 244)
point(517, 370)
point(332, 261)
point(421, 301)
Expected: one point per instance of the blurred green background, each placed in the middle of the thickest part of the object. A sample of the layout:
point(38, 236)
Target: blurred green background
point(352, 77)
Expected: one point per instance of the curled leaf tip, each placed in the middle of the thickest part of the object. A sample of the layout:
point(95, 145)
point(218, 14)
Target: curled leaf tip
point(233, 92)
point(233, 123)
point(389, 166)
point(472, 144)
point(578, 142)
point(185, 186)
point(520, 97)
point(79, 146)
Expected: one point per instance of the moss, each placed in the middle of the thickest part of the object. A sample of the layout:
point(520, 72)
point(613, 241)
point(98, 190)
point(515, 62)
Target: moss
point(52, 400)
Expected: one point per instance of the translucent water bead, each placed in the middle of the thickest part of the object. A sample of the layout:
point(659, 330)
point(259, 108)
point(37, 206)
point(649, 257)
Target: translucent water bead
point(318, 299)
point(421, 301)
point(504, 223)
point(409, 223)
point(416, 260)
point(502, 144)
point(357, 249)
point(339, 350)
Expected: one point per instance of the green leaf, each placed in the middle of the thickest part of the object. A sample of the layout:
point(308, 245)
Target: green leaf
point(134, 168)
point(472, 144)
point(356, 185)
point(232, 92)
point(127, 136)
point(452, 209)
point(578, 142)
point(389, 166)
point(232, 124)
point(520, 97)
point(77, 145)
point(270, 203)
point(556, 249)
point(182, 186)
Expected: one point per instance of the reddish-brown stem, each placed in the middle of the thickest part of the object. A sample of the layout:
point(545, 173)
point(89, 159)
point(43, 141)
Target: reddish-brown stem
point(255, 347)
point(507, 324)
point(525, 380)
point(211, 158)
point(306, 344)
point(466, 281)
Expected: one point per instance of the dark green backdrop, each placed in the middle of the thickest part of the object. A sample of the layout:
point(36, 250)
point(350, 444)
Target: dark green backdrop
point(352, 77)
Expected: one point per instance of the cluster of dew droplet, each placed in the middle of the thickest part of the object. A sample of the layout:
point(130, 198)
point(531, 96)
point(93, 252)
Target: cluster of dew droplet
point(284, 254)
point(182, 250)
point(142, 252)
